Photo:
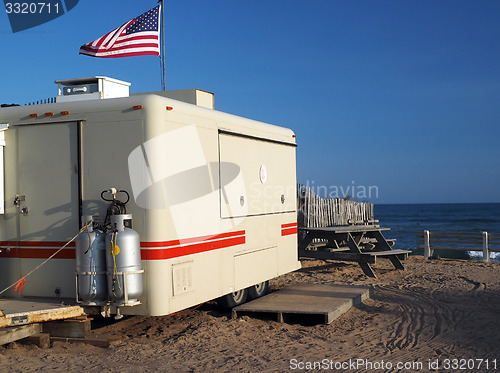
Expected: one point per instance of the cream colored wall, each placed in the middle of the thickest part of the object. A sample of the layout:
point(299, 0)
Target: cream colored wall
point(189, 179)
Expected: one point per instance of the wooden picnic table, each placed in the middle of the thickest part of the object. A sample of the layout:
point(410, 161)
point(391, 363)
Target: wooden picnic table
point(335, 239)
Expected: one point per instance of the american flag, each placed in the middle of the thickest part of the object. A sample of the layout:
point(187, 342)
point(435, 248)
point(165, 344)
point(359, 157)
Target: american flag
point(140, 36)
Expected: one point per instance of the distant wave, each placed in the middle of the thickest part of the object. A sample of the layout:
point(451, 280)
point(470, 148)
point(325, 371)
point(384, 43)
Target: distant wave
point(406, 220)
point(495, 257)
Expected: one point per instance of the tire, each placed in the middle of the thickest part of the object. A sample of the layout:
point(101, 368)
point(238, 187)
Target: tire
point(258, 290)
point(233, 299)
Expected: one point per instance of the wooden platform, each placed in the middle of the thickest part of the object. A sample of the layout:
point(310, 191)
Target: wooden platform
point(317, 302)
point(15, 312)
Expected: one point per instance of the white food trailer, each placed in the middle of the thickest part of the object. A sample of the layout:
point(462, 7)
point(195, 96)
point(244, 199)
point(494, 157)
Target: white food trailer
point(212, 196)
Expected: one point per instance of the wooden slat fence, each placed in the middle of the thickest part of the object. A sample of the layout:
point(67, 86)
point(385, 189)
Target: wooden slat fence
point(461, 241)
point(315, 211)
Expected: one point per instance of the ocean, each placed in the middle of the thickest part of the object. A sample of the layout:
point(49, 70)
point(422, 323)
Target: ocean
point(406, 220)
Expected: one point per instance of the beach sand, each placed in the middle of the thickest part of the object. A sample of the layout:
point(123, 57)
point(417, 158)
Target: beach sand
point(433, 311)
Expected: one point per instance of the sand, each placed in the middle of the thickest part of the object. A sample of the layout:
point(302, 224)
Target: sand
point(426, 316)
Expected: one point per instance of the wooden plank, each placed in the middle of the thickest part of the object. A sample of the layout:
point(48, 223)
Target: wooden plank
point(68, 328)
point(42, 340)
point(457, 239)
point(332, 255)
point(16, 333)
point(318, 244)
point(98, 342)
point(455, 233)
point(456, 248)
point(453, 236)
point(367, 269)
point(453, 240)
point(396, 261)
point(386, 253)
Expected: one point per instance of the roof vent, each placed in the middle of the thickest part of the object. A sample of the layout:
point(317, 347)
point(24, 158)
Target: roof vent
point(96, 87)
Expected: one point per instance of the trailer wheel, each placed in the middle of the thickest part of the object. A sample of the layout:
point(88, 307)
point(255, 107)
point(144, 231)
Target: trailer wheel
point(258, 290)
point(233, 299)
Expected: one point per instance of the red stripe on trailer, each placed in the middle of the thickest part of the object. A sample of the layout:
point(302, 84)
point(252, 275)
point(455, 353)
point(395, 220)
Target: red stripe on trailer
point(191, 240)
point(40, 253)
point(36, 249)
point(57, 244)
point(288, 229)
point(45, 253)
point(196, 248)
point(162, 249)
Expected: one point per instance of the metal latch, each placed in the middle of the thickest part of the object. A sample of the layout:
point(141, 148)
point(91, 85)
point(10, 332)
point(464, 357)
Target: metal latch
point(18, 199)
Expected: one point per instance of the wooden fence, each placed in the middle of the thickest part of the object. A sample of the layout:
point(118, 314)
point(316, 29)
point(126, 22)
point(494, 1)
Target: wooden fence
point(461, 241)
point(315, 211)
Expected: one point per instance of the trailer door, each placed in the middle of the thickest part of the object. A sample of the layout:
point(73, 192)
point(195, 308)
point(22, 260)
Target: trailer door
point(48, 181)
point(266, 176)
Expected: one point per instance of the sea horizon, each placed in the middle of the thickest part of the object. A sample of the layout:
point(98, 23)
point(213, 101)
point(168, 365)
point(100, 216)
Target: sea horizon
point(406, 220)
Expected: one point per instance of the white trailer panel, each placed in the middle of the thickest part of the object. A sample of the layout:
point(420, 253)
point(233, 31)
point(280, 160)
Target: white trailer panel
point(212, 195)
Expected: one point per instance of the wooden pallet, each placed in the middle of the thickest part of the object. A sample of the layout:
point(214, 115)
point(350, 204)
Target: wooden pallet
point(306, 302)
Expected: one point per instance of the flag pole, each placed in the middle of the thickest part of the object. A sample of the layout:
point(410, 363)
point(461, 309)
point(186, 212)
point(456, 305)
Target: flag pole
point(163, 44)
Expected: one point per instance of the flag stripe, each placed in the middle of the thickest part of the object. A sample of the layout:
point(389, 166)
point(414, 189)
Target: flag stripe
point(131, 52)
point(104, 39)
point(123, 54)
point(117, 34)
point(139, 36)
point(148, 35)
point(137, 39)
point(143, 46)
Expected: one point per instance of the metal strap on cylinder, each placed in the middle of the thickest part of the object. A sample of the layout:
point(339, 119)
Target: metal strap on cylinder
point(125, 292)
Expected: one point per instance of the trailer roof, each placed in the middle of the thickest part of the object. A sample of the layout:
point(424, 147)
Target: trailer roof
point(87, 110)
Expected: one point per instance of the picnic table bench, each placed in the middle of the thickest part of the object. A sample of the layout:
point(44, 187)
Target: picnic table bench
point(348, 243)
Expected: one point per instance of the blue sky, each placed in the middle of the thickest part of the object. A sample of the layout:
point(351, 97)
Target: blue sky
point(403, 95)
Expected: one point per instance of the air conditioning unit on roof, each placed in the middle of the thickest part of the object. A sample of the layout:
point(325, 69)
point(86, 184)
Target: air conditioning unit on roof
point(96, 87)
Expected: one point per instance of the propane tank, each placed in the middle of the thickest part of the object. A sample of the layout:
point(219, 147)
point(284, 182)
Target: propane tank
point(123, 257)
point(91, 265)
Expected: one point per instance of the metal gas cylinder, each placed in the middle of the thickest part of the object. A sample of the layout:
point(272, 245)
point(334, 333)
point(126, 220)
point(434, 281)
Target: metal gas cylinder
point(123, 257)
point(91, 265)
